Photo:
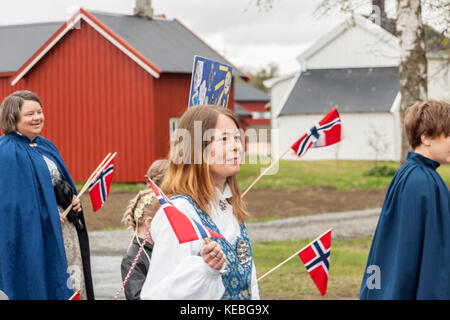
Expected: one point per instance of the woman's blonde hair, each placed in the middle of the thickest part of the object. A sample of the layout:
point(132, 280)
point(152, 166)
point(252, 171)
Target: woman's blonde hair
point(139, 209)
point(191, 177)
point(133, 218)
point(157, 170)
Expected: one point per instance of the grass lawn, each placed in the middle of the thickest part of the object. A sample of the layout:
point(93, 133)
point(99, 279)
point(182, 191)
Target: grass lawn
point(292, 281)
point(341, 174)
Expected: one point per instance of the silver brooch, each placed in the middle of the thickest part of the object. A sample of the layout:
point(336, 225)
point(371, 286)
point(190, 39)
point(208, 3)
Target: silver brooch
point(243, 252)
point(222, 205)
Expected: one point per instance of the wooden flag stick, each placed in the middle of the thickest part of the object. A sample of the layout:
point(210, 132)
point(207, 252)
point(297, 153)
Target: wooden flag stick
point(96, 172)
point(264, 172)
point(99, 166)
point(295, 254)
point(74, 295)
point(93, 176)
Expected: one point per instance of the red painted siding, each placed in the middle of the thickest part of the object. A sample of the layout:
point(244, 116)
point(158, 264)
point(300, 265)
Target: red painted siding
point(96, 100)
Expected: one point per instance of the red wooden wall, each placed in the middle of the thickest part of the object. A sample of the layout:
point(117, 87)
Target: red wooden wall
point(96, 100)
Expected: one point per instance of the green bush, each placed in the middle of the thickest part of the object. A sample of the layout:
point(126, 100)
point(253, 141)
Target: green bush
point(380, 171)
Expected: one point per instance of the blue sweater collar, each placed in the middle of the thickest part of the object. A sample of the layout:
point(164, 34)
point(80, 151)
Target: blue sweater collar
point(420, 159)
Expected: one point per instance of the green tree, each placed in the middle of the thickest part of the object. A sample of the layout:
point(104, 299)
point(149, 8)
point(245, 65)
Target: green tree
point(410, 31)
point(258, 76)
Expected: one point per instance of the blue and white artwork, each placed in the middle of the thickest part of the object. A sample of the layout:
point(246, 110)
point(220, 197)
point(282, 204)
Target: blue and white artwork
point(210, 83)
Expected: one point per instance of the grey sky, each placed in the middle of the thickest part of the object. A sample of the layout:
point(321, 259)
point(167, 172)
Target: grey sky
point(246, 35)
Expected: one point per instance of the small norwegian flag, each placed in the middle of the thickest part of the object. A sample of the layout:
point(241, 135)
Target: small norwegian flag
point(75, 296)
point(325, 133)
point(185, 228)
point(316, 258)
point(99, 189)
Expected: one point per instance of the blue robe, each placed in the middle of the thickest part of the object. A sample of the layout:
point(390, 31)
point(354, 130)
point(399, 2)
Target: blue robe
point(410, 251)
point(32, 256)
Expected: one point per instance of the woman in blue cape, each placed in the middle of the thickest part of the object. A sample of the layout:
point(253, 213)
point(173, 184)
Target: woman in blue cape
point(410, 253)
point(42, 254)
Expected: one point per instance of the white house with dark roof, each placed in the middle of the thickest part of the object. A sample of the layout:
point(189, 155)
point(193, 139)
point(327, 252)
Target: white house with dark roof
point(353, 67)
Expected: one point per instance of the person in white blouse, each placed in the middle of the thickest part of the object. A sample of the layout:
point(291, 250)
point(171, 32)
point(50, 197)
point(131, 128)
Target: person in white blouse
point(201, 181)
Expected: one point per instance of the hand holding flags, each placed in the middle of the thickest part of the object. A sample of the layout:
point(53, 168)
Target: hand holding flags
point(185, 228)
point(316, 257)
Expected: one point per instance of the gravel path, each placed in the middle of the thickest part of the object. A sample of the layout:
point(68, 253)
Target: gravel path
point(345, 225)
point(107, 247)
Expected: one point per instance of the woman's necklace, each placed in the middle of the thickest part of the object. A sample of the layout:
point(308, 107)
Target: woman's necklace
point(222, 205)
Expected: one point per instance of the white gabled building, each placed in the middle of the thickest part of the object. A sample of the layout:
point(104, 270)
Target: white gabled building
point(353, 67)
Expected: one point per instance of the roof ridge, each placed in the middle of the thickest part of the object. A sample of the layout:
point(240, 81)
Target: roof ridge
point(31, 24)
point(117, 14)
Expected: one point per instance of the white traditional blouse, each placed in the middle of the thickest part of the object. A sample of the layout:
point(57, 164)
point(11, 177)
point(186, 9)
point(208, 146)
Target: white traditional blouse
point(177, 271)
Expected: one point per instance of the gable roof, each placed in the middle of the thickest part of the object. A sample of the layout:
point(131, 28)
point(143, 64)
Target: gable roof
point(352, 90)
point(372, 28)
point(245, 92)
point(169, 44)
point(157, 45)
point(19, 42)
point(434, 41)
point(241, 112)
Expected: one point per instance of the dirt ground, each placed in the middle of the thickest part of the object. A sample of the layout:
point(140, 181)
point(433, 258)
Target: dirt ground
point(260, 203)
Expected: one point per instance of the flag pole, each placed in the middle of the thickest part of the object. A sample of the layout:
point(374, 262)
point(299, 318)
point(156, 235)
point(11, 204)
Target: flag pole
point(93, 176)
point(206, 239)
point(96, 172)
point(264, 172)
point(295, 254)
point(77, 292)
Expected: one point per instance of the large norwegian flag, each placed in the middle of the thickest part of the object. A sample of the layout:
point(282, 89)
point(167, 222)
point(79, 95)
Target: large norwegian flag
point(325, 133)
point(185, 228)
point(99, 189)
point(316, 258)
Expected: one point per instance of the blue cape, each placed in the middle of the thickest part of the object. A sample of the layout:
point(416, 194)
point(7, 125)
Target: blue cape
point(411, 245)
point(32, 256)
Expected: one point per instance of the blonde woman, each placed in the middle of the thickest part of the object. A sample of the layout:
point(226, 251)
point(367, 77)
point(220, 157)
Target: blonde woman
point(201, 181)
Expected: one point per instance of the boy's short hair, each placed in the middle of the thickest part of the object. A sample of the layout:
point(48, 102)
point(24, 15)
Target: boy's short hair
point(431, 117)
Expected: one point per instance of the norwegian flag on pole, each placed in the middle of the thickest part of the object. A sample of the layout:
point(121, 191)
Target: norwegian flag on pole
point(99, 188)
point(75, 296)
point(185, 228)
point(316, 258)
point(325, 133)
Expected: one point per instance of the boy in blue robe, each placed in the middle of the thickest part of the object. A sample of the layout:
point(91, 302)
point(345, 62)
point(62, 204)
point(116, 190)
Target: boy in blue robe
point(410, 253)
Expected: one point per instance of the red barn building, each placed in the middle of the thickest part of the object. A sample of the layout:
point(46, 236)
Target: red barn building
point(108, 83)
point(252, 106)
